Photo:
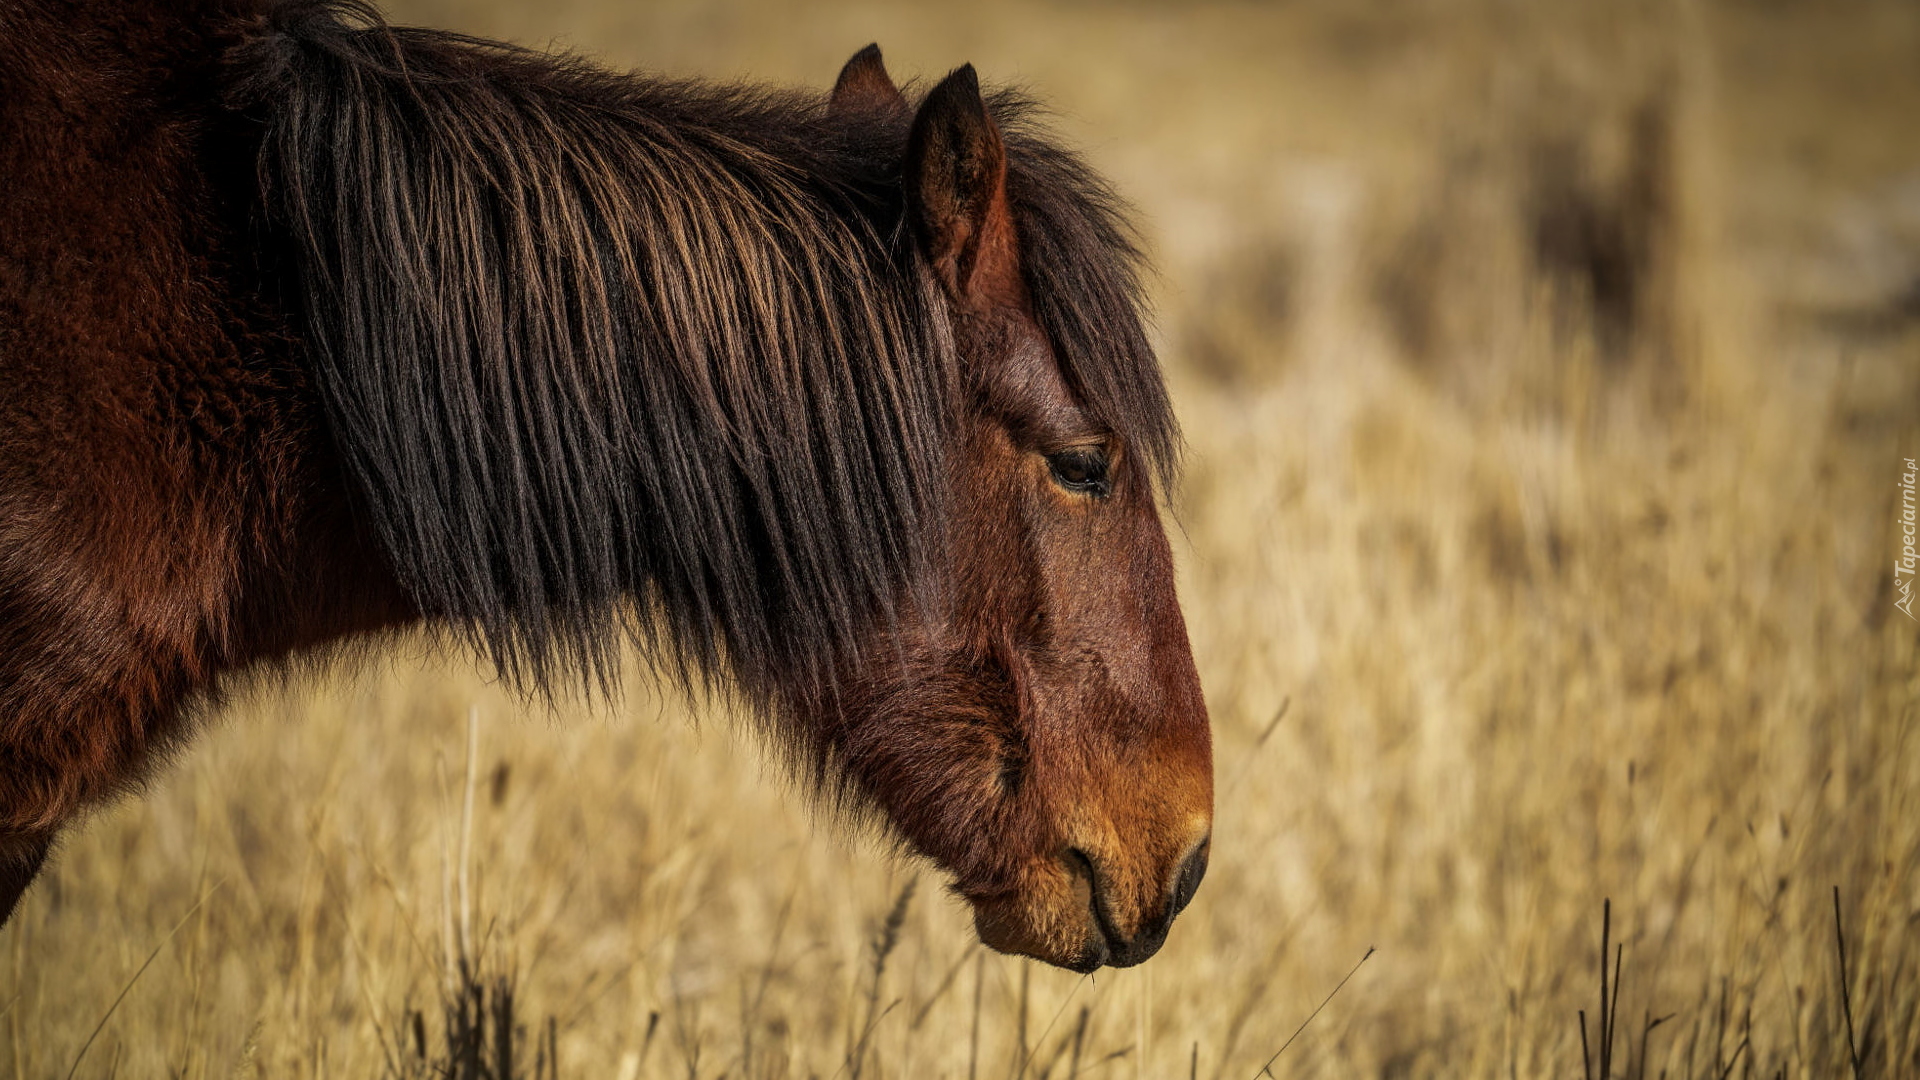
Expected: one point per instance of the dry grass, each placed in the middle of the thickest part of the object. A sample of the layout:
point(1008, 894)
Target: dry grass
point(1505, 607)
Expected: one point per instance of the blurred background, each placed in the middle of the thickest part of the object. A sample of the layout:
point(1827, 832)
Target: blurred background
point(1547, 372)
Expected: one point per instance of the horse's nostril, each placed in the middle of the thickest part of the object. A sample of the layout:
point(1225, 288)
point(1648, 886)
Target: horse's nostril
point(1082, 864)
point(1191, 872)
point(1122, 949)
point(1079, 862)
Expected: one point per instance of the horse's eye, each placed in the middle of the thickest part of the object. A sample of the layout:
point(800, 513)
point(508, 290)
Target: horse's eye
point(1082, 470)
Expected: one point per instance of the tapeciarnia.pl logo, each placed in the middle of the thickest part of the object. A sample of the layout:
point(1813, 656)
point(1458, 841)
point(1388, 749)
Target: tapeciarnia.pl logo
point(1904, 566)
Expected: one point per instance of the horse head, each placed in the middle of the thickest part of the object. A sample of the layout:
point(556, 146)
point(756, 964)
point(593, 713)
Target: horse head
point(1041, 733)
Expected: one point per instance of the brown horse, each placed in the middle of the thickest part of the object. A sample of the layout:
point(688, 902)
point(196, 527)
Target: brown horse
point(312, 327)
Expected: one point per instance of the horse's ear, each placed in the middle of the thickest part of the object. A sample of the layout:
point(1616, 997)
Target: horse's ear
point(956, 179)
point(863, 87)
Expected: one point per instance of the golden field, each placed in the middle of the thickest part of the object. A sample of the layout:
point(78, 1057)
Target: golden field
point(1547, 372)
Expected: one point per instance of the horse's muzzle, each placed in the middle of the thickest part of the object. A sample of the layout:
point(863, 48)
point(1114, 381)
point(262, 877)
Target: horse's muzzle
point(1076, 919)
point(1112, 946)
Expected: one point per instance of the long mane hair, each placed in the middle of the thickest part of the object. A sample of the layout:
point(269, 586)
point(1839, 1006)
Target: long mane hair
point(607, 355)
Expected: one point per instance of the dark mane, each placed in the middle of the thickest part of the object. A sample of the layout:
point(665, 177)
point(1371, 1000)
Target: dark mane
point(613, 355)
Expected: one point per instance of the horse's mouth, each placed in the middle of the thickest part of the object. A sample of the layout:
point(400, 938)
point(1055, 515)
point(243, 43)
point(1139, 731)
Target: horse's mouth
point(1059, 920)
point(1004, 931)
point(1064, 915)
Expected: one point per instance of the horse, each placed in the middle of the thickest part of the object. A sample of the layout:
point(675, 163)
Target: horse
point(841, 406)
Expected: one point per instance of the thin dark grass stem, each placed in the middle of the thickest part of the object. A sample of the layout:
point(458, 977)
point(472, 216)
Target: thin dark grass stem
point(1735, 1059)
point(1606, 942)
point(1613, 1017)
point(1586, 1052)
point(1846, 995)
point(1267, 1069)
point(1026, 1062)
point(1648, 1022)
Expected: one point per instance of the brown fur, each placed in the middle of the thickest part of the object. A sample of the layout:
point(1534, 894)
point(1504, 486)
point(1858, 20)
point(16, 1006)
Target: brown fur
point(165, 505)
